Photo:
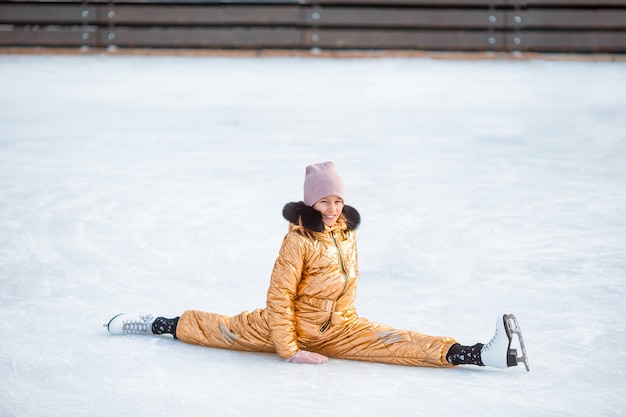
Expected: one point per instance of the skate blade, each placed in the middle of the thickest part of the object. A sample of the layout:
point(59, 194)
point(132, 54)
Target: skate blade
point(512, 328)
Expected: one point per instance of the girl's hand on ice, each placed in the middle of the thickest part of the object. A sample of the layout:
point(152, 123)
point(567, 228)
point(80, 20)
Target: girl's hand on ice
point(304, 356)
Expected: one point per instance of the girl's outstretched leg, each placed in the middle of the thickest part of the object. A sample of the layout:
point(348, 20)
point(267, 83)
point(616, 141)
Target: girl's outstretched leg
point(245, 331)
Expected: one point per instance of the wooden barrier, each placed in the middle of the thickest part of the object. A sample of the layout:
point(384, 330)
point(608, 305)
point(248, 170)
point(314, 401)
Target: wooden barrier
point(580, 26)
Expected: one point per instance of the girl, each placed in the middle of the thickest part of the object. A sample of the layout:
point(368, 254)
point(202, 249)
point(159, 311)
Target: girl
point(310, 313)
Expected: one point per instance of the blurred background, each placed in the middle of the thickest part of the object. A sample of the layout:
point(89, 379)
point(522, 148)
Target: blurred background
point(479, 26)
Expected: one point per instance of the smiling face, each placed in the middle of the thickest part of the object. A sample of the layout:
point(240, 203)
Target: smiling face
point(330, 207)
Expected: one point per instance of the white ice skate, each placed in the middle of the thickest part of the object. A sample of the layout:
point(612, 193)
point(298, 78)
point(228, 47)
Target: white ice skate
point(498, 352)
point(131, 324)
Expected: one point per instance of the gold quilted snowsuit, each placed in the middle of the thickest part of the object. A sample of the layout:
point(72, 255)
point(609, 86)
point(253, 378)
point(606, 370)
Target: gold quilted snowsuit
point(310, 306)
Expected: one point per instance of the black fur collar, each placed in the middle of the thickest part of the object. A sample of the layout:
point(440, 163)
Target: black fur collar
point(312, 219)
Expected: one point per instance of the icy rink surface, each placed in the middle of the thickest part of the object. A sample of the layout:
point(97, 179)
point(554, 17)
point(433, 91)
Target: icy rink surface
point(157, 183)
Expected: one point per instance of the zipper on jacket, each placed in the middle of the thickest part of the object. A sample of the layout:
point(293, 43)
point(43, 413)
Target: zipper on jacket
point(341, 265)
point(326, 325)
point(345, 285)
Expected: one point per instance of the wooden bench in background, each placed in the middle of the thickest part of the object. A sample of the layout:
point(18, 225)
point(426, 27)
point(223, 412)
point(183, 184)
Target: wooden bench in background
point(573, 26)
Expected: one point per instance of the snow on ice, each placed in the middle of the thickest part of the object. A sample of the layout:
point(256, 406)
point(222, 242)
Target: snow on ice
point(156, 184)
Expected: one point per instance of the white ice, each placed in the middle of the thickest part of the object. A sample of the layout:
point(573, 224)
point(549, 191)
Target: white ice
point(156, 184)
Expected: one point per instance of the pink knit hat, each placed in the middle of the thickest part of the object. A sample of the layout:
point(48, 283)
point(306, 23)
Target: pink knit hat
point(321, 180)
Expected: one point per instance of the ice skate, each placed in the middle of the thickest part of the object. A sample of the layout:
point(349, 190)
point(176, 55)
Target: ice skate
point(131, 324)
point(498, 352)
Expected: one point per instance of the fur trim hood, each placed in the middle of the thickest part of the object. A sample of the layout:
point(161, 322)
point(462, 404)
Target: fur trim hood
point(312, 219)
